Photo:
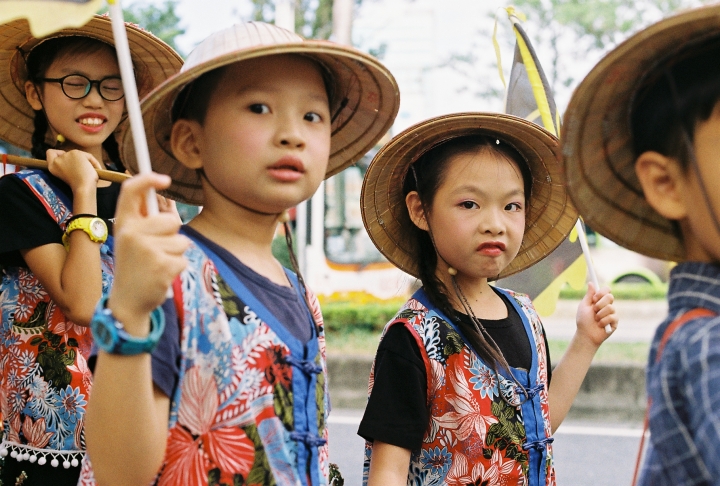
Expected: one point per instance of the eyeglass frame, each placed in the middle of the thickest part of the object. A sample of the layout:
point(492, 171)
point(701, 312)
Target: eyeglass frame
point(91, 83)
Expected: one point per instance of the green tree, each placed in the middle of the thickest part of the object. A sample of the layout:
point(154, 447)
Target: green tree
point(162, 20)
point(313, 18)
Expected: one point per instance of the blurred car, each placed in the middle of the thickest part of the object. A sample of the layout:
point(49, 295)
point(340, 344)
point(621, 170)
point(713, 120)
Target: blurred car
point(615, 264)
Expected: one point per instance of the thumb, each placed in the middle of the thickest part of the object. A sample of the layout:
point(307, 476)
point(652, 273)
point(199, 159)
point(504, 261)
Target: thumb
point(590, 294)
point(133, 192)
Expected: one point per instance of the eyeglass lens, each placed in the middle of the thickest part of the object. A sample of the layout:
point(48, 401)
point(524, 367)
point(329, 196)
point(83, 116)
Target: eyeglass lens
point(77, 86)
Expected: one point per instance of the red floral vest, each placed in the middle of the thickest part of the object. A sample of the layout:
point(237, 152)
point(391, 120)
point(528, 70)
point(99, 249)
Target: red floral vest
point(44, 378)
point(482, 429)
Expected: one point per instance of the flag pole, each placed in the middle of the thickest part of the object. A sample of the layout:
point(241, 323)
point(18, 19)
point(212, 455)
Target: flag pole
point(582, 236)
point(132, 101)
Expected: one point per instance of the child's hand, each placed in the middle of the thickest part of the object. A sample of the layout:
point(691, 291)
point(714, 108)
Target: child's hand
point(148, 253)
point(594, 313)
point(76, 168)
point(167, 205)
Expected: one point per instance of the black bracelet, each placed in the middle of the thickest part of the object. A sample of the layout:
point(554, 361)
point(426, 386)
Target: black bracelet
point(78, 216)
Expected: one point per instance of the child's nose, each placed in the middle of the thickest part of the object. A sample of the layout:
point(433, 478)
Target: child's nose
point(290, 133)
point(493, 222)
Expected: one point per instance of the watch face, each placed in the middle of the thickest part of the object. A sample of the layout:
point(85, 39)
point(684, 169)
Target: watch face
point(98, 228)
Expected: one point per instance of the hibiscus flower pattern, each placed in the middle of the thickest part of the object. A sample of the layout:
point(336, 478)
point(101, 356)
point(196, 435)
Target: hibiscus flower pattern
point(44, 377)
point(235, 409)
point(477, 430)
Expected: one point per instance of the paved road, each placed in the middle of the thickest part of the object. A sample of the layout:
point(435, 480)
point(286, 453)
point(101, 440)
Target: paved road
point(638, 320)
point(586, 453)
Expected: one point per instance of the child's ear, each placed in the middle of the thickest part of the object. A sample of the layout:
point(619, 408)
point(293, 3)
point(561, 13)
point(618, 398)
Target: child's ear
point(663, 184)
point(416, 210)
point(184, 142)
point(32, 96)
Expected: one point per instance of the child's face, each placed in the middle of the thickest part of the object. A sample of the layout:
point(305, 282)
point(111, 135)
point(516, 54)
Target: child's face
point(478, 214)
point(265, 142)
point(85, 123)
point(701, 234)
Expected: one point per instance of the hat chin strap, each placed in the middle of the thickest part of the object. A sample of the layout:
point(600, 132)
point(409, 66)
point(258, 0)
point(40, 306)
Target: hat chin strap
point(282, 216)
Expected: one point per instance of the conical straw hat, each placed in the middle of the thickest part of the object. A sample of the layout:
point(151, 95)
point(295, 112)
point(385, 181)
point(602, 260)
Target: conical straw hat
point(597, 145)
point(366, 107)
point(550, 217)
point(153, 60)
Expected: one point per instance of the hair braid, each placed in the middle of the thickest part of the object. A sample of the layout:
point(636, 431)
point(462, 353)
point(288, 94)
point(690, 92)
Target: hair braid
point(39, 146)
point(113, 151)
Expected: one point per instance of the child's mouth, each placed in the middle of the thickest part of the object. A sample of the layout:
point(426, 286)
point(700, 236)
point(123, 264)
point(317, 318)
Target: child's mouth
point(287, 169)
point(494, 248)
point(91, 124)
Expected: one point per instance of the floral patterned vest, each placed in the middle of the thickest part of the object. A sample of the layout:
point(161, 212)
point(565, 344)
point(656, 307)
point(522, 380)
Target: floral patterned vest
point(483, 429)
point(251, 404)
point(44, 378)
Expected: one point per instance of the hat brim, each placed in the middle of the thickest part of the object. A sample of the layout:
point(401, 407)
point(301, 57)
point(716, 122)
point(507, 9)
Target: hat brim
point(153, 60)
point(369, 91)
point(597, 143)
point(551, 215)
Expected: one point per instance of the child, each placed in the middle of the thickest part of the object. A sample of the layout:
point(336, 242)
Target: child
point(641, 154)
point(235, 391)
point(459, 387)
point(62, 98)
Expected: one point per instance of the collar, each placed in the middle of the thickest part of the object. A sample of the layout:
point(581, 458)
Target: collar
point(694, 284)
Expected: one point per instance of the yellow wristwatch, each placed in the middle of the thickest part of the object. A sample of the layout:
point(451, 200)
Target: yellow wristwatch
point(95, 228)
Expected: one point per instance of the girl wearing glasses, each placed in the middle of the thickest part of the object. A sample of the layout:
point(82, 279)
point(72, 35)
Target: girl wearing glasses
point(62, 99)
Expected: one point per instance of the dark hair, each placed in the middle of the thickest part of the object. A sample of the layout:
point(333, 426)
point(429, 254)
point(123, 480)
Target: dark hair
point(192, 102)
point(38, 61)
point(425, 176)
point(679, 93)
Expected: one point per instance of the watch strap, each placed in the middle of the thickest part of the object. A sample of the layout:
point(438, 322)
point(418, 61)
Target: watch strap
point(110, 334)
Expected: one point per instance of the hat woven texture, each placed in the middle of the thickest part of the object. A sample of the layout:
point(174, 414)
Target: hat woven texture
point(550, 217)
point(153, 60)
point(367, 92)
point(596, 138)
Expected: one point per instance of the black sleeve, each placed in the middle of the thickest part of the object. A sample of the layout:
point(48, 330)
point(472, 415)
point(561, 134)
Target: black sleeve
point(397, 411)
point(24, 221)
point(547, 353)
point(166, 356)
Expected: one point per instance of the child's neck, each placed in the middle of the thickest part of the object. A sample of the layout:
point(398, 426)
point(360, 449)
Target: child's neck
point(246, 235)
point(483, 302)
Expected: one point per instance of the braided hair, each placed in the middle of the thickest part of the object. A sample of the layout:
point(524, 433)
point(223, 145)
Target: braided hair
point(37, 62)
point(425, 176)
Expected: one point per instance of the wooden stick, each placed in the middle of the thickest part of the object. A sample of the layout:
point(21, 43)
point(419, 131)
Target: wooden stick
point(106, 175)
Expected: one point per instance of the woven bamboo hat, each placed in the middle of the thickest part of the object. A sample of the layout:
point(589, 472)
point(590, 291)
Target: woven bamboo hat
point(597, 145)
point(551, 215)
point(366, 104)
point(153, 60)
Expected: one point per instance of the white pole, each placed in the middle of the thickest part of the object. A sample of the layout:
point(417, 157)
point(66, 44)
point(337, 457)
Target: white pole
point(342, 21)
point(132, 101)
point(588, 260)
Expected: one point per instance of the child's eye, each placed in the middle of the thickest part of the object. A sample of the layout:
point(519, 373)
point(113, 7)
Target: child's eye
point(312, 117)
point(469, 204)
point(514, 207)
point(259, 108)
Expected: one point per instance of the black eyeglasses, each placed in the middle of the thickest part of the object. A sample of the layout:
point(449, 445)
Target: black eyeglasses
point(77, 86)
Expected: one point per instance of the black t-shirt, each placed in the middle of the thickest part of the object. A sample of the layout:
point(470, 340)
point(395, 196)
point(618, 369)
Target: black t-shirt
point(397, 412)
point(283, 302)
point(26, 224)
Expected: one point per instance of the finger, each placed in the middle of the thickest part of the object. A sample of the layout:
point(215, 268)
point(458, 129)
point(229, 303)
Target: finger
point(52, 154)
point(133, 192)
point(589, 295)
point(604, 312)
point(94, 162)
point(604, 301)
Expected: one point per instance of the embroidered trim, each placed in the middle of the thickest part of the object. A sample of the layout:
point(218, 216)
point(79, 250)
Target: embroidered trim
point(32, 454)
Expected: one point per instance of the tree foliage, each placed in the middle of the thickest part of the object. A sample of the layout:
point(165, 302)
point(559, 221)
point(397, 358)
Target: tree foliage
point(313, 18)
point(162, 21)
